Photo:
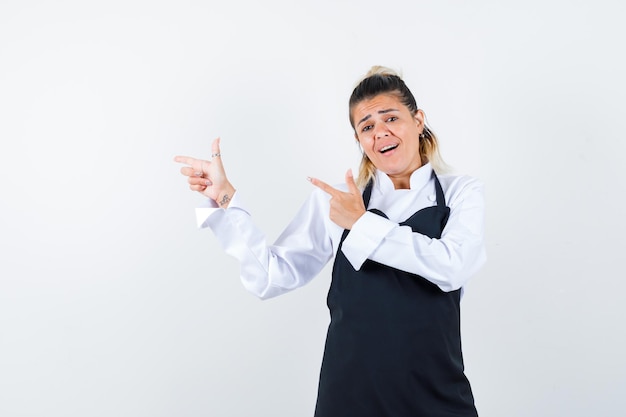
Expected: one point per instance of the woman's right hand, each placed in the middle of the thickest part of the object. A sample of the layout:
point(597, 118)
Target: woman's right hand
point(208, 177)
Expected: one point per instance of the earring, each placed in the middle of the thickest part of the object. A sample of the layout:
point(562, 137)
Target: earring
point(422, 135)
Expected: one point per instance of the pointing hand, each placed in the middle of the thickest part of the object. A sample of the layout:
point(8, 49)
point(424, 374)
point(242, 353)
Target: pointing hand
point(345, 207)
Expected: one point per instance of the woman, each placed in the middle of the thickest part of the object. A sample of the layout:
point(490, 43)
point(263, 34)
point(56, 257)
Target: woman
point(404, 242)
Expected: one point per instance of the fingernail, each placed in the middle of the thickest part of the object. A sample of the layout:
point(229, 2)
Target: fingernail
point(309, 179)
point(198, 174)
point(208, 182)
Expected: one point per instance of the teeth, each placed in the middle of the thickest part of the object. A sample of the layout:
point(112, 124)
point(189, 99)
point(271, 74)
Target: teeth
point(388, 148)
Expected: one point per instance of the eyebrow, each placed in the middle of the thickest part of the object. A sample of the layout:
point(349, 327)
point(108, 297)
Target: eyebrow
point(379, 112)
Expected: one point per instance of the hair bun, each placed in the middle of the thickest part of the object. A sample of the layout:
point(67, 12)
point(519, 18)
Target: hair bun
point(380, 70)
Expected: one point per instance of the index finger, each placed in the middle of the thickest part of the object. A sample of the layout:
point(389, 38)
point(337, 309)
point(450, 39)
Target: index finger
point(185, 160)
point(324, 187)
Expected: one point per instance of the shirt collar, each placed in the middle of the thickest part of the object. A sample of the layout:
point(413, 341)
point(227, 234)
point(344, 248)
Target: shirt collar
point(419, 178)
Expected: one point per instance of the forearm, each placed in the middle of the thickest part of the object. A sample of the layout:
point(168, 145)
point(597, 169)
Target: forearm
point(448, 261)
point(298, 255)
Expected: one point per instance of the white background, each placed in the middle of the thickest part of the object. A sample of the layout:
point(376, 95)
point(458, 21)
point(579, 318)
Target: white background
point(112, 303)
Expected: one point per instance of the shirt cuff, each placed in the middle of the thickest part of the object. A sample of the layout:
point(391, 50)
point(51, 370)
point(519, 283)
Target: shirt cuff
point(366, 235)
point(210, 207)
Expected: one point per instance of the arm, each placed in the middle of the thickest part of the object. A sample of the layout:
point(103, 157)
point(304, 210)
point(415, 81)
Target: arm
point(266, 270)
point(447, 262)
point(297, 256)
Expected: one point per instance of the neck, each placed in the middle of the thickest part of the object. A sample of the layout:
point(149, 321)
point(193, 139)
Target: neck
point(401, 183)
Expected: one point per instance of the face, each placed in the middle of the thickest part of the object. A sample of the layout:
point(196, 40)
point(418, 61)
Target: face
point(389, 136)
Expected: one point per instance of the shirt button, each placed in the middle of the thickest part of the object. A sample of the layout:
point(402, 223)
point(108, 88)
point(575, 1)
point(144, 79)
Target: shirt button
point(432, 197)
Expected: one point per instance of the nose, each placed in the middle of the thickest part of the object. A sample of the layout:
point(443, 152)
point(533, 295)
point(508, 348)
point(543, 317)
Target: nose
point(381, 131)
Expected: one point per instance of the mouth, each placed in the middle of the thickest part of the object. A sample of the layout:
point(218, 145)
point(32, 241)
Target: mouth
point(388, 148)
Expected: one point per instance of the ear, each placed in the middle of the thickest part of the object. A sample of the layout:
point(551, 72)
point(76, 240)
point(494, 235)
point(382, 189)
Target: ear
point(419, 118)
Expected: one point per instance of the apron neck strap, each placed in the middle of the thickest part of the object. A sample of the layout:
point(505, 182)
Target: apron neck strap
point(441, 200)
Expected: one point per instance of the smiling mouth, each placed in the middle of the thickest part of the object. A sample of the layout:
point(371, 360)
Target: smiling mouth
point(388, 148)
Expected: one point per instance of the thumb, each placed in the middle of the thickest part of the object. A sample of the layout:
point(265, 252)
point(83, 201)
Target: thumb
point(350, 182)
point(215, 151)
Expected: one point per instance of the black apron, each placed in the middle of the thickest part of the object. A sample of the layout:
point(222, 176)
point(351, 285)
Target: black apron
point(393, 347)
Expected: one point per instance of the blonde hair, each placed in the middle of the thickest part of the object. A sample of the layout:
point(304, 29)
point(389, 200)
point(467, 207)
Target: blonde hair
point(383, 80)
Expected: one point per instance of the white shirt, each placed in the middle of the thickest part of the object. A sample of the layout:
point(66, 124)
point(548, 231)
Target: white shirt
point(311, 239)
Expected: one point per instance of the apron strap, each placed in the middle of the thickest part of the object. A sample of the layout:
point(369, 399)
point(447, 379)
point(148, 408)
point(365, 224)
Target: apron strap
point(441, 200)
point(367, 192)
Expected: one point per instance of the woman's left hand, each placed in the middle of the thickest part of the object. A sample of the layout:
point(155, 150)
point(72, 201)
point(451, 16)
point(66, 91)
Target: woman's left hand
point(345, 207)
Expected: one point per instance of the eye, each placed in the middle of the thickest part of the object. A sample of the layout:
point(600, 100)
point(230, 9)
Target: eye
point(366, 128)
point(392, 119)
